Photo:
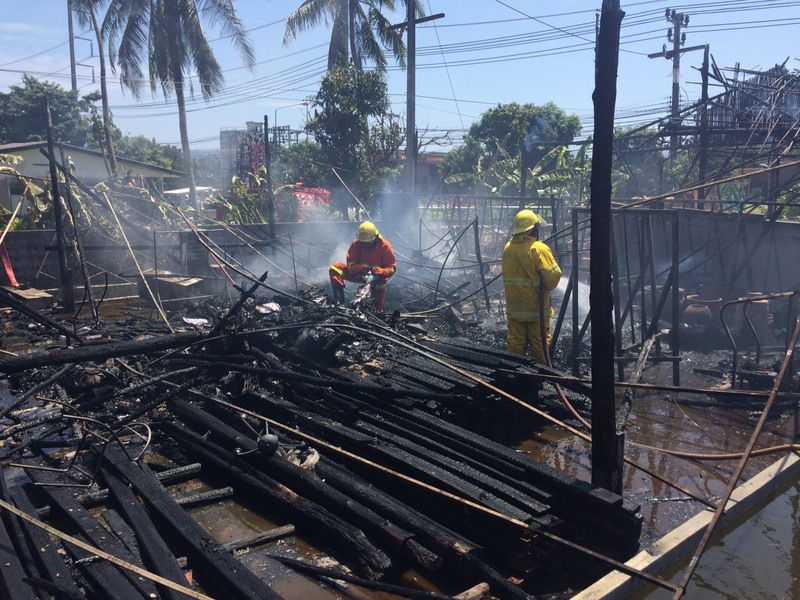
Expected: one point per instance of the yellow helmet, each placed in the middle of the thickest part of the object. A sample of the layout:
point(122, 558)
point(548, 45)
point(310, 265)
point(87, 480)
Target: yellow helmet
point(525, 221)
point(367, 232)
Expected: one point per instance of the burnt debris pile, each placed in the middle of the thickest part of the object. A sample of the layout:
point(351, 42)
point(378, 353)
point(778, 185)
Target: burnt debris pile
point(382, 444)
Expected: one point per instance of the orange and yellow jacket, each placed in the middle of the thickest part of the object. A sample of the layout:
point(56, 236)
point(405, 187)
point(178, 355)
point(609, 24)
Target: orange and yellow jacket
point(379, 257)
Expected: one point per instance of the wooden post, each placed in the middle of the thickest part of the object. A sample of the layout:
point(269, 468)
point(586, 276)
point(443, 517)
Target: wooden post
point(68, 299)
point(606, 445)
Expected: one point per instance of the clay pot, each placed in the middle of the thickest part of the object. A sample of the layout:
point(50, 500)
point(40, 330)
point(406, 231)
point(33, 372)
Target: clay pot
point(697, 315)
point(758, 309)
point(713, 304)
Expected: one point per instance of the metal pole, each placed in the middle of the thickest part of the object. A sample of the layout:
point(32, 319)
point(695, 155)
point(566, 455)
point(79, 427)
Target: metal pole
point(702, 162)
point(73, 74)
point(269, 193)
point(411, 93)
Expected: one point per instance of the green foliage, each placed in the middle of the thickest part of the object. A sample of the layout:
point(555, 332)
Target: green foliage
point(207, 170)
point(300, 162)
point(22, 118)
point(526, 128)
point(168, 36)
point(359, 30)
point(791, 198)
point(354, 132)
point(513, 147)
point(639, 161)
point(246, 202)
point(149, 151)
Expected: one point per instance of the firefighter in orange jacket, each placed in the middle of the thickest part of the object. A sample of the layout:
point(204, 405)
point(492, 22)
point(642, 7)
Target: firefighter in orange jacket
point(528, 264)
point(369, 253)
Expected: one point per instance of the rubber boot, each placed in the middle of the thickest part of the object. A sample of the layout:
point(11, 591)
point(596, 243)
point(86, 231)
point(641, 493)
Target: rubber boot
point(378, 296)
point(338, 294)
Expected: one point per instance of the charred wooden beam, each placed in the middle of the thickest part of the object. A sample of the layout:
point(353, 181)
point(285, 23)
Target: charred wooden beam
point(56, 590)
point(156, 554)
point(50, 565)
point(23, 307)
point(608, 515)
point(415, 466)
point(260, 538)
point(123, 531)
point(99, 496)
point(100, 352)
point(318, 519)
point(111, 579)
point(313, 487)
point(325, 572)
point(462, 553)
point(338, 382)
point(200, 498)
point(12, 574)
point(223, 573)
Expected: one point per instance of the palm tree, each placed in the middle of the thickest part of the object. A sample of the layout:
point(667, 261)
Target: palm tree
point(168, 35)
point(86, 11)
point(359, 29)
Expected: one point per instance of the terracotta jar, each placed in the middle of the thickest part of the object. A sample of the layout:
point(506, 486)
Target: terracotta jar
point(698, 315)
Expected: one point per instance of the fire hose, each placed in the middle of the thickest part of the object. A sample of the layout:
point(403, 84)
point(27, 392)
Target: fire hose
point(546, 351)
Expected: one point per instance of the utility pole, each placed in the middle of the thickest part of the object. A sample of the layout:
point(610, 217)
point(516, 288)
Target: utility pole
point(677, 38)
point(72, 72)
point(411, 94)
point(411, 91)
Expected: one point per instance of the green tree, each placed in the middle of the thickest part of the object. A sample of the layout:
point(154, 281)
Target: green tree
point(208, 170)
point(168, 35)
point(525, 132)
point(22, 118)
point(347, 100)
point(640, 161)
point(359, 30)
point(86, 12)
point(301, 162)
point(149, 151)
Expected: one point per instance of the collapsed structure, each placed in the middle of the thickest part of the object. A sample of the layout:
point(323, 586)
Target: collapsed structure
point(389, 446)
point(387, 443)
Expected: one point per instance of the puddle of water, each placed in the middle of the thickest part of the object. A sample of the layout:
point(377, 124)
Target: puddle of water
point(757, 557)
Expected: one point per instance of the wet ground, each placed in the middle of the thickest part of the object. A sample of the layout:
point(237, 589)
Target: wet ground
point(756, 560)
point(758, 556)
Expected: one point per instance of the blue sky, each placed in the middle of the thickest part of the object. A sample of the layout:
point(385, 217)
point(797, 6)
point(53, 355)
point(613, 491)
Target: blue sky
point(483, 52)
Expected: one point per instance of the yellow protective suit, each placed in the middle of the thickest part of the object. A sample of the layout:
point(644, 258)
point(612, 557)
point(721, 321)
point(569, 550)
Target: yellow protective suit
point(527, 265)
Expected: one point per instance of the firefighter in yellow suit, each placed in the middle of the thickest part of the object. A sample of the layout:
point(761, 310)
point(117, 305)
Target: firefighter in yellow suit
point(528, 264)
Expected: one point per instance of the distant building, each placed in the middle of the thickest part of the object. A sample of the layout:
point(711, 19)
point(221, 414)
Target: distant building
point(242, 151)
point(88, 166)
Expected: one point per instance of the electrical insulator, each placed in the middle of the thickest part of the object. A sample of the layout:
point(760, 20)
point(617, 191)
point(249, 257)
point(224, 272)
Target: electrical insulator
point(666, 14)
point(669, 34)
point(683, 38)
point(686, 20)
